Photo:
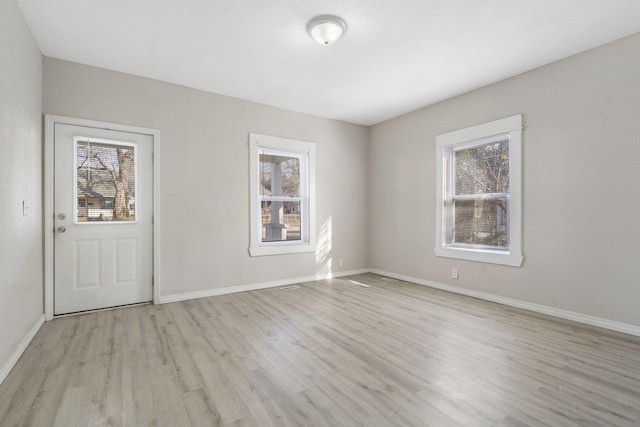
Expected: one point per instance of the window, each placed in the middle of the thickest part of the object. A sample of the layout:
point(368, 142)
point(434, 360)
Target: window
point(105, 176)
point(282, 180)
point(106, 204)
point(479, 193)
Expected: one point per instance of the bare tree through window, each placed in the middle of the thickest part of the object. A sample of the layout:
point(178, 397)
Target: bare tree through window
point(105, 179)
point(481, 195)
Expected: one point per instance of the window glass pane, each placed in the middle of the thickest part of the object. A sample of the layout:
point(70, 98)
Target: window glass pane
point(106, 204)
point(280, 221)
point(482, 169)
point(279, 175)
point(105, 182)
point(481, 222)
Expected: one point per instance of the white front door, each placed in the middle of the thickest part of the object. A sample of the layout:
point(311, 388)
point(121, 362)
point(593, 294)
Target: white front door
point(103, 207)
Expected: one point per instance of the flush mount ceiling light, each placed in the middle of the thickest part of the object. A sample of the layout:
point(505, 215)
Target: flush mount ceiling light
point(326, 29)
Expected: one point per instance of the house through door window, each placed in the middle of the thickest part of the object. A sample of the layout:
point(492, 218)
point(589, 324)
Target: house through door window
point(105, 187)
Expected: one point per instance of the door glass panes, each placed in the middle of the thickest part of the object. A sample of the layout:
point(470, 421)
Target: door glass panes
point(280, 197)
point(105, 182)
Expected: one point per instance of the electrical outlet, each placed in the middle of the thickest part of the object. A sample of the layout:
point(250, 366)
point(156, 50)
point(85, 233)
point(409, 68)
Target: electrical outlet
point(454, 273)
point(340, 262)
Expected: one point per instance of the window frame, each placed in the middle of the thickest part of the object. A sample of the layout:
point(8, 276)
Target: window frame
point(305, 151)
point(508, 128)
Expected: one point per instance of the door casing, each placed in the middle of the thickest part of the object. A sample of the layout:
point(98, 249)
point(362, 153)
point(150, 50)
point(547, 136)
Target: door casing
point(50, 121)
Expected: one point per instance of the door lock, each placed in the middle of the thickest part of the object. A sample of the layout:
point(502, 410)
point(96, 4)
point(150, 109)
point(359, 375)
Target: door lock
point(62, 216)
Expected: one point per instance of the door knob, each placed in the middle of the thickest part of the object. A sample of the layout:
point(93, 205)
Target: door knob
point(61, 229)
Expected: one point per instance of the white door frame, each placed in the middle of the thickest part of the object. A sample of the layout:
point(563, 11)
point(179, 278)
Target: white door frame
point(50, 121)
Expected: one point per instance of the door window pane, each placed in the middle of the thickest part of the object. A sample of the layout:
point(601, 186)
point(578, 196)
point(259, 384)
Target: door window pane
point(105, 182)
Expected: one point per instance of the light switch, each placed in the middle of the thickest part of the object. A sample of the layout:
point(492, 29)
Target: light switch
point(25, 208)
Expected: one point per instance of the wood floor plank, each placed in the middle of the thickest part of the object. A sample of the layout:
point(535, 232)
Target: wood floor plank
point(363, 350)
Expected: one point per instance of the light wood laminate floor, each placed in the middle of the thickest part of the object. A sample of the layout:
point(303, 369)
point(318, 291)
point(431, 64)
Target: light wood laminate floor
point(358, 351)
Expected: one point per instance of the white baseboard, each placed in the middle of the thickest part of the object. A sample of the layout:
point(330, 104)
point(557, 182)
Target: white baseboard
point(254, 286)
point(538, 308)
point(13, 359)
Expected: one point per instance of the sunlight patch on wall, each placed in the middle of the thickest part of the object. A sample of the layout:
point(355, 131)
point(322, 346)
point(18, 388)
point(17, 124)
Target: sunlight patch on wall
point(323, 249)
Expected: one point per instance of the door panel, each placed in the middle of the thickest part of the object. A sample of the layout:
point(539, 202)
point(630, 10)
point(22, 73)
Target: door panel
point(86, 264)
point(126, 260)
point(103, 206)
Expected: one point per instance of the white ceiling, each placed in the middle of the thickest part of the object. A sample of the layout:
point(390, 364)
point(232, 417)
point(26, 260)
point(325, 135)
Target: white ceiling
point(396, 56)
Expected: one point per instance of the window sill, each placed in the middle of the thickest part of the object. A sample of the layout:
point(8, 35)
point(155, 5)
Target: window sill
point(280, 249)
point(487, 256)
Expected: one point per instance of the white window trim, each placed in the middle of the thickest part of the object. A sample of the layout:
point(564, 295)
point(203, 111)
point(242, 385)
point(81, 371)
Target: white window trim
point(511, 127)
point(257, 247)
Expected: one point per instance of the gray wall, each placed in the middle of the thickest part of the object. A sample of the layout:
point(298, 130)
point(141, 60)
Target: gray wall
point(21, 294)
point(581, 213)
point(205, 170)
